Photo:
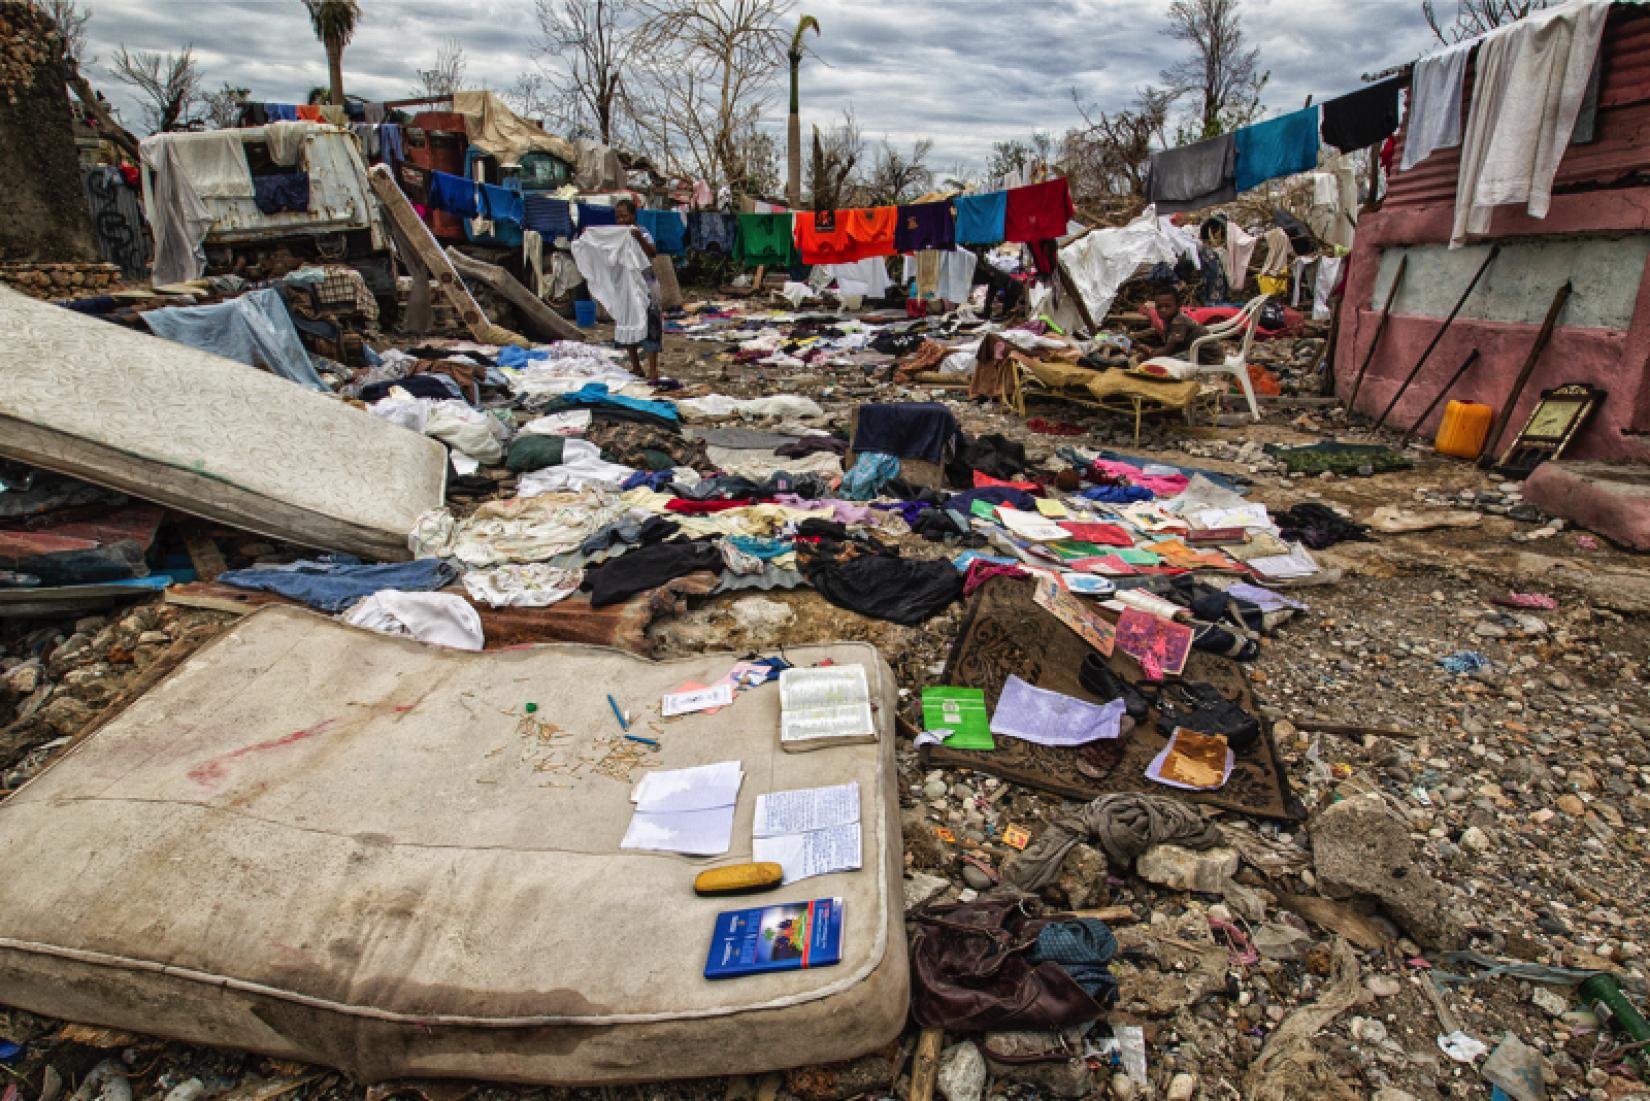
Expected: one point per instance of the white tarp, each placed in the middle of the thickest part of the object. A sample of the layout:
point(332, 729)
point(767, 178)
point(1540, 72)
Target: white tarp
point(1098, 263)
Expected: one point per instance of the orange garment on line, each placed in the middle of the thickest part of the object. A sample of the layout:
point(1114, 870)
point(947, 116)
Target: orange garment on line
point(310, 112)
point(822, 237)
point(872, 231)
point(845, 236)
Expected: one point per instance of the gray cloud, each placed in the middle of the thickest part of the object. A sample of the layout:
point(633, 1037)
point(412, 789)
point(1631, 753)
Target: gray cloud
point(964, 73)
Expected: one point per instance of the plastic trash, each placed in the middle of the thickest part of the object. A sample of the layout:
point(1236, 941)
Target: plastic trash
point(1461, 1047)
point(1515, 1068)
point(1464, 661)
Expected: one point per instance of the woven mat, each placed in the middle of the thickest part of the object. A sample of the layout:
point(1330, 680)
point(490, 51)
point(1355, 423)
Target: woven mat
point(1005, 632)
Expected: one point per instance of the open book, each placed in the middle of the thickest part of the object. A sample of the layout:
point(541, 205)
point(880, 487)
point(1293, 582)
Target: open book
point(824, 707)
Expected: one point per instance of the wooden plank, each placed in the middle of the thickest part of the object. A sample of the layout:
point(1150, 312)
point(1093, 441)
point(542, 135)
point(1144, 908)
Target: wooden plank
point(925, 1067)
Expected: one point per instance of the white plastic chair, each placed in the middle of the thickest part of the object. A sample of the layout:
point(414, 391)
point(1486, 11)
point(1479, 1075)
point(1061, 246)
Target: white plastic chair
point(1237, 366)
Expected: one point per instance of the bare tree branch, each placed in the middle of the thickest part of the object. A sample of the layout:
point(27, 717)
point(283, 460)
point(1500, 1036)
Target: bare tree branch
point(591, 50)
point(446, 76)
point(835, 155)
point(897, 178)
point(1475, 17)
point(71, 20)
point(222, 109)
point(169, 84)
point(1223, 73)
point(729, 53)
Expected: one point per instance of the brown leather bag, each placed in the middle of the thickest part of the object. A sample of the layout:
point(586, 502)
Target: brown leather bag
point(971, 972)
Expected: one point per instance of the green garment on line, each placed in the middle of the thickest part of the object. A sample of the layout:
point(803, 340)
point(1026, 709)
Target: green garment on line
point(764, 239)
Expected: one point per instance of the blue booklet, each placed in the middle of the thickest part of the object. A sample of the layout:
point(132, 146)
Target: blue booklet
point(786, 937)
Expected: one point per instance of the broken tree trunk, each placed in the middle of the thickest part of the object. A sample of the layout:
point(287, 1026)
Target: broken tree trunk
point(447, 280)
point(541, 321)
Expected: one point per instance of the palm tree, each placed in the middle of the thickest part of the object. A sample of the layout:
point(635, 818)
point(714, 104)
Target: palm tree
point(334, 23)
point(793, 132)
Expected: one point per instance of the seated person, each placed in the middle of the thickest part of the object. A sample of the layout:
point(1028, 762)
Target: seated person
point(1179, 332)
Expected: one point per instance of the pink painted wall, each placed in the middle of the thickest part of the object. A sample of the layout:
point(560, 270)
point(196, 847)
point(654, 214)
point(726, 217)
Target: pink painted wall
point(1419, 208)
point(1615, 360)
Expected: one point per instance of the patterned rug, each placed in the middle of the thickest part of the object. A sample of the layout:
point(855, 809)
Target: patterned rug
point(1006, 632)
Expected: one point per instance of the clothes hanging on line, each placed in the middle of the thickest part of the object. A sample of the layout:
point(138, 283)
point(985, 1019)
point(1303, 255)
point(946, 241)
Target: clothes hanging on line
point(764, 240)
point(453, 194)
point(1434, 104)
point(668, 229)
point(1038, 212)
point(712, 231)
point(549, 218)
point(1277, 147)
point(594, 214)
point(1240, 247)
point(504, 204)
point(391, 146)
point(1531, 80)
point(1193, 177)
point(925, 226)
point(1360, 119)
point(980, 218)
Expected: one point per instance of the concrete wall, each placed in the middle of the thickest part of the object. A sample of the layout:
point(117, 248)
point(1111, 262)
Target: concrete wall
point(1519, 286)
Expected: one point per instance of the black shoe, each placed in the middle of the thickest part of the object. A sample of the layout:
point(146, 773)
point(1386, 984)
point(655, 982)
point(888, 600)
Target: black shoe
point(1097, 678)
point(1218, 640)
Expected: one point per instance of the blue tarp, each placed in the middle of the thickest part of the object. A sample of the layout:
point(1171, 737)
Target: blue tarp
point(254, 329)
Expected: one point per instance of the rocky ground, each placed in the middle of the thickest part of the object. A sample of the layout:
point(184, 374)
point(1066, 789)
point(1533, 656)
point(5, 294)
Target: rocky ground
point(1508, 806)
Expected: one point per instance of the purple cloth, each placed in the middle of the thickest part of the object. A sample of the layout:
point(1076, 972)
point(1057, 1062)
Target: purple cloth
point(925, 226)
point(843, 512)
point(908, 510)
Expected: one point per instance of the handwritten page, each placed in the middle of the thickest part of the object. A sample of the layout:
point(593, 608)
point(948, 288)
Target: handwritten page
point(817, 852)
point(806, 809)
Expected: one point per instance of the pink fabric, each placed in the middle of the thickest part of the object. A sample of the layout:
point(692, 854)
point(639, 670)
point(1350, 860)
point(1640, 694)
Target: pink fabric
point(1163, 485)
point(980, 571)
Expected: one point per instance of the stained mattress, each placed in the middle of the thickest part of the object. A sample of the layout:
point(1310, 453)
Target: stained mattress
point(207, 435)
point(344, 848)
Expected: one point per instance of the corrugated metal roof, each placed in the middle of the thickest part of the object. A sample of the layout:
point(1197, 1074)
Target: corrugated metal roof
point(1621, 145)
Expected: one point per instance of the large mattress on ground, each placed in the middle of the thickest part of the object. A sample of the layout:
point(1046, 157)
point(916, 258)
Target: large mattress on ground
point(207, 435)
point(349, 849)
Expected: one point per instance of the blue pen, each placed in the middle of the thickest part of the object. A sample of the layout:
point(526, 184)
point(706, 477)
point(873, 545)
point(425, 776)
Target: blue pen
point(617, 714)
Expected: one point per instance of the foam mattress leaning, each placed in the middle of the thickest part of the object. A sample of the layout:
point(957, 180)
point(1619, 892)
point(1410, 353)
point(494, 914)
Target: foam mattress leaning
point(328, 845)
point(206, 435)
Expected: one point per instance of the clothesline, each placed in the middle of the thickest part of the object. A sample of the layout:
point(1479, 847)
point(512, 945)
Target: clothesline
point(1033, 214)
point(1549, 54)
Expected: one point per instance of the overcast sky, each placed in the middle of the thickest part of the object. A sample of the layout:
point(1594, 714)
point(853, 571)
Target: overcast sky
point(965, 73)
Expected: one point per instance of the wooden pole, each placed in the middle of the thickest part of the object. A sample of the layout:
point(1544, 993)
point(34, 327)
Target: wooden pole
point(1380, 327)
point(925, 1065)
point(1495, 250)
point(1466, 365)
point(1560, 297)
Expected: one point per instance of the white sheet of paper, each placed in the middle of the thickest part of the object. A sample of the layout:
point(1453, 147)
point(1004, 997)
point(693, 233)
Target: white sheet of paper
point(817, 852)
point(682, 703)
point(805, 809)
point(698, 788)
point(694, 832)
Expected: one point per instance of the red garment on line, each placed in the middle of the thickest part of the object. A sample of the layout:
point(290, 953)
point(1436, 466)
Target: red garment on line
point(1038, 212)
